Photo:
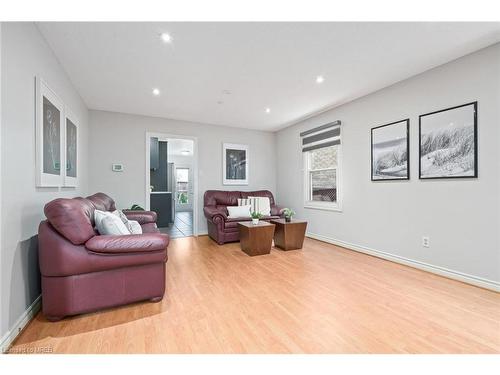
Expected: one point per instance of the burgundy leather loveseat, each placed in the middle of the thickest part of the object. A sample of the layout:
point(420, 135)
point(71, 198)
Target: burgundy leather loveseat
point(83, 271)
point(223, 229)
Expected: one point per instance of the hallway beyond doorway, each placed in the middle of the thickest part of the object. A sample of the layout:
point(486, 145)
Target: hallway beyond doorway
point(182, 226)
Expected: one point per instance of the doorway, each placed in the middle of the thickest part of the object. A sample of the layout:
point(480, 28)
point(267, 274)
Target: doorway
point(183, 193)
point(171, 183)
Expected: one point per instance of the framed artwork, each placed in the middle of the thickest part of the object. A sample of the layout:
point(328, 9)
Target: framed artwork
point(49, 136)
point(390, 151)
point(448, 143)
point(71, 149)
point(235, 164)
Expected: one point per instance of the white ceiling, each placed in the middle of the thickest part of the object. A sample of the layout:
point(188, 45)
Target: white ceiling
point(115, 66)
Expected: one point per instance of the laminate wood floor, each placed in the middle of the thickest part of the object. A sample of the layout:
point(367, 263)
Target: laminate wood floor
point(321, 299)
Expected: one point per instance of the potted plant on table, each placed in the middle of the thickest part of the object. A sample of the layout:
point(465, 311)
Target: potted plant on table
point(288, 212)
point(255, 217)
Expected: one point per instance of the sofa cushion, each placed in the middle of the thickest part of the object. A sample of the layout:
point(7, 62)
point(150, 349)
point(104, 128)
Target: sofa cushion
point(72, 218)
point(102, 202)
point(149, 228)
point(88, 208)
point(230, 198)
point(221, 198)
point(128, 243)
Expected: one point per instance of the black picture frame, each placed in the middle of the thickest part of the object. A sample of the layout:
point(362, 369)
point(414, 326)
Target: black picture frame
point(474, 152)
point(405, 178)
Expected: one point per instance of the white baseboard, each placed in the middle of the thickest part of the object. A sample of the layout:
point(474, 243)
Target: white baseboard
point(202, 233)
point(23, 320)
point(456, 275)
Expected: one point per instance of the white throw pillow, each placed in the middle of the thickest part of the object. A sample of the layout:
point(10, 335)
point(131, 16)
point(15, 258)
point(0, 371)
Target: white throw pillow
point(99, 216)
point(238, 211)
point(124, 219)
point(111, 225)
point(135, 227)
point(261, 205)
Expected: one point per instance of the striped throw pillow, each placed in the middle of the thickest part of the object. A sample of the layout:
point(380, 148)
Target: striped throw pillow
point(261, 205)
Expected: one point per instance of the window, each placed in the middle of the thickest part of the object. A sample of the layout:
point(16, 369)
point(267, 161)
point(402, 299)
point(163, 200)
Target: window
point(182, 185)
point(321, 177)
point(322, 150)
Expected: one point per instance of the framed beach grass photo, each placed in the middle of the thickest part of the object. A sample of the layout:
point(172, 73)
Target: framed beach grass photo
point(390, 145)
point(448, 143)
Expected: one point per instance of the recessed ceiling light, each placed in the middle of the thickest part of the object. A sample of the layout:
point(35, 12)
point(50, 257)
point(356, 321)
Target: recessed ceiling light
point(319, 79)
point(185, 152)
point(156, 92)
point(268, 110)
point(166, 38)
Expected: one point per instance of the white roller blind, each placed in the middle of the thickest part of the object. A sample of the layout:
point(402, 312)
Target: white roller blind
point(321, 136)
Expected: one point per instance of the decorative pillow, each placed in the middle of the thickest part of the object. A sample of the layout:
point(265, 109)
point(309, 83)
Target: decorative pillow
point(261, 205)
point(99, 216)
point(238, 211)
point(111, 225)
point(135, 227)
point(124, 219)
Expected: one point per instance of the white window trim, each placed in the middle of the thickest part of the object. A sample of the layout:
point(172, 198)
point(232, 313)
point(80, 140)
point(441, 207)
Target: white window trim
point(328, 206)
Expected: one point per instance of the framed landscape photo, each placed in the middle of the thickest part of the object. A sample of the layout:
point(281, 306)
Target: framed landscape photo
point(71, 149)
point(448, 143)
point(49, 136)
point(235, 164)
point(390, 156)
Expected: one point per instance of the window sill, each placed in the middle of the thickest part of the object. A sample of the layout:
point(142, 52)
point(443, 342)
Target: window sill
point(324, 207)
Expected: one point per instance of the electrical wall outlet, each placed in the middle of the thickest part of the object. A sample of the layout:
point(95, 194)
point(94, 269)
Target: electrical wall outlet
point(426, 241)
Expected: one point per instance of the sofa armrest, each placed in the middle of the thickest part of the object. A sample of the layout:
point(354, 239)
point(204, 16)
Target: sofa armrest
point(215, 214)
point(143, 217)
point(129, 243)
point(277, 210)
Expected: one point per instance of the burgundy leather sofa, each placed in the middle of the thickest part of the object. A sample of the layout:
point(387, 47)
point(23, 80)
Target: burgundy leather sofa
point(223, 229)
point(83, 271)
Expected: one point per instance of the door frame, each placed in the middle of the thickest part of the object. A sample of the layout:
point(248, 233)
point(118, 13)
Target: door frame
point(149, 135)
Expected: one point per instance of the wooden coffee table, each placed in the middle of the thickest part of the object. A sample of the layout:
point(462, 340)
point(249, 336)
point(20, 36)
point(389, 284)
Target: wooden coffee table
point(289, 235)
point(256, 239)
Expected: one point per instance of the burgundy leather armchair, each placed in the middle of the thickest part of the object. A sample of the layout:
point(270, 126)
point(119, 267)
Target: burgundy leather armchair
point(83, 271)
point(223, 229)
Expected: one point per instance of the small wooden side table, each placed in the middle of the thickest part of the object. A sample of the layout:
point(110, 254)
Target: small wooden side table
point(289, 235)
point(256, 239)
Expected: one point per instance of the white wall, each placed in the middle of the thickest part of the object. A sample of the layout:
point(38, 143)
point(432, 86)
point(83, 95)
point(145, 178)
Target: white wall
point(25, 54)
point(461, 217)
point(121, 138)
